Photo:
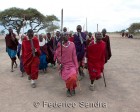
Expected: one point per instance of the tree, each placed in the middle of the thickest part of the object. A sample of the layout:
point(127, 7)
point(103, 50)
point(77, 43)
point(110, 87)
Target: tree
point(12, 17)
point(52, 24)
point(52, 28)
point(16, 17)
point(122, 31)
point(134, 27)
point(2, 32)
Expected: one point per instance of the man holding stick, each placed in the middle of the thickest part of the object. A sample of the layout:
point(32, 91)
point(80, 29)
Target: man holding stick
point(96, 59)
point(66, 57)
point(80, 44)
point(30, 55)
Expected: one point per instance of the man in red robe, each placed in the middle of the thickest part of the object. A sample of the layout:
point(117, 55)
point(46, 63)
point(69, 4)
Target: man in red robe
point(71, 38)
point(90, 38)
point(108, 48)
point(95, 59)
point(30, 54)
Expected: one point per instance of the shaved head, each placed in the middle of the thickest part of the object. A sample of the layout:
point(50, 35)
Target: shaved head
point(30, 33)
point(10, 30)
point(79, 28)
point(65, 29)
point(98, 36)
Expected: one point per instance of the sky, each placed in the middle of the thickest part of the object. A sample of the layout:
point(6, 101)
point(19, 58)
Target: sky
point(114, 15)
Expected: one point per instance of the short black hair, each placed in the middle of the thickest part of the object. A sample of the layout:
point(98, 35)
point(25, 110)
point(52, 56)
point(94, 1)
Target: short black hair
point(48, 33)
point(104, 30)
point(57, 31)
point(30, 31)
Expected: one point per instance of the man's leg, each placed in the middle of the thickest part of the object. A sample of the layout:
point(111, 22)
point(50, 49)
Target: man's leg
point(12, 63)
point(92, 75)
point(34, 72)
point(15, 64)
point(92, 81)
point(81, 73)
point(21, 67)
point(28, 71)
point(74, 84)
point(92, 86)
point(71, 85)
point(45, 70)
point(54, 64)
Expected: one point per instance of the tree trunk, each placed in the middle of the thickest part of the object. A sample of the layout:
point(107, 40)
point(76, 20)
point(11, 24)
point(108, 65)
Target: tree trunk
point(18, 31)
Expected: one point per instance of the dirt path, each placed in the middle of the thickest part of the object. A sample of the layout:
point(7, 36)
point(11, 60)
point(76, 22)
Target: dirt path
point(121, 95)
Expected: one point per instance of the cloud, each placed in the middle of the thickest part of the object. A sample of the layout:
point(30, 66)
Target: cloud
point(110, 14)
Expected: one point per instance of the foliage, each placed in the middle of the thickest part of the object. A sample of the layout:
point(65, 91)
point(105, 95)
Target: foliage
point(16, 18)
point(2, 32)
point(134, 28)
point(52, 25)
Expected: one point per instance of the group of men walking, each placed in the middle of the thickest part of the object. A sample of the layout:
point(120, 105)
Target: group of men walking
point(72, 54)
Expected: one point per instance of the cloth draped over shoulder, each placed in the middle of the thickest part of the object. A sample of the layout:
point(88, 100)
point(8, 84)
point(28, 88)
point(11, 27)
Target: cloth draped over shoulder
point(69, 59)
point(80, 44)
point(27, 54)
point(96, 59)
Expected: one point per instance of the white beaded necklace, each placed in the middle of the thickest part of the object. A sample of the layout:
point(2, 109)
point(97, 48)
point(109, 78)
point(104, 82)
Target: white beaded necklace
point(67, 45)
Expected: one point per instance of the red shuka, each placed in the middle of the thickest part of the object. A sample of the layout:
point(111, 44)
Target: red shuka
point(89, 40)
point(71, 39)
point(96, 59)
point(31, 64)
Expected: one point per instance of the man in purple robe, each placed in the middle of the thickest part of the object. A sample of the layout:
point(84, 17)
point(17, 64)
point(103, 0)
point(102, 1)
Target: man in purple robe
point(80, 44)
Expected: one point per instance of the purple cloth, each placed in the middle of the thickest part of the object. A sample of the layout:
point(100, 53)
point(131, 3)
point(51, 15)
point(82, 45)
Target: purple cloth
point(80, 48)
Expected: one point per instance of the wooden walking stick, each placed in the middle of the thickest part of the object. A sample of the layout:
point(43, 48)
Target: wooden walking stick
point(104, 78)
point(61, 41)
point(79, 85)
point(61, 37)
point(97, 27)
